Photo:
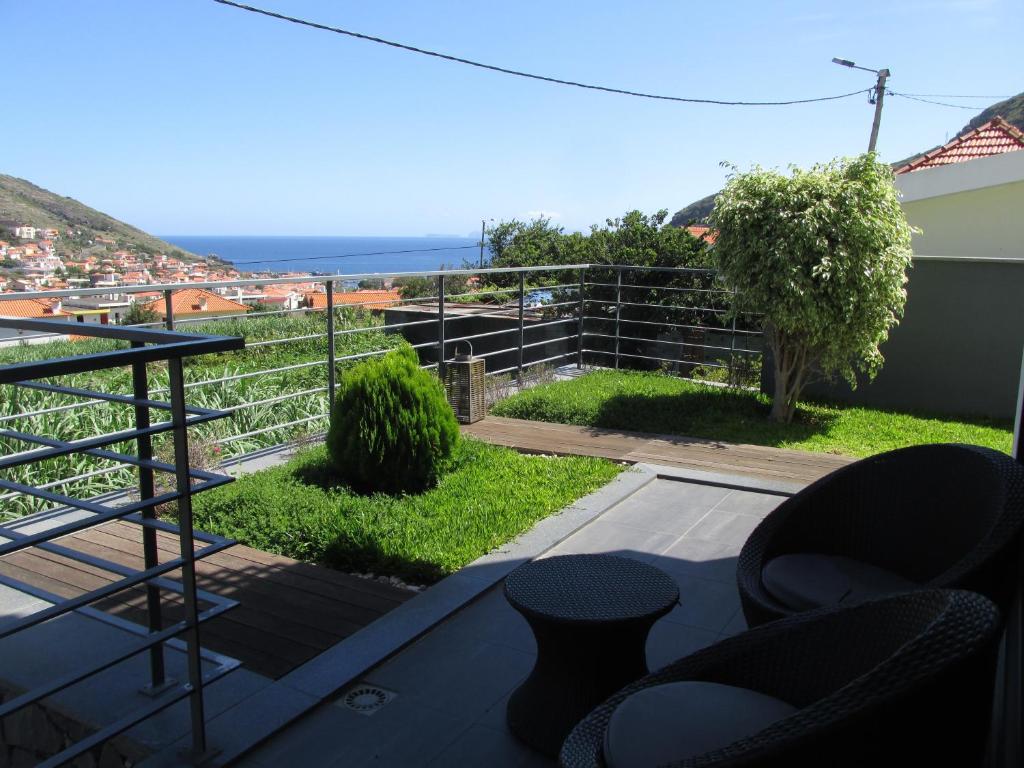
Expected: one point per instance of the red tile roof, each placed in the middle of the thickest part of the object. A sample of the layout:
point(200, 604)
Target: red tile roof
point(993, 138)
point(702, 232)
point(190, 301)
point(368, 299)
point(30, 308)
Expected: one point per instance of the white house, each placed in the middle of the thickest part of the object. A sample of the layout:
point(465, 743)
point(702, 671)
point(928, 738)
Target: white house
point(25, 233)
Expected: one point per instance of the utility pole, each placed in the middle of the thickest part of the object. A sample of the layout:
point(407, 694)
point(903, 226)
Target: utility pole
point(877, 97)
point(883, 75)
point(482, 227)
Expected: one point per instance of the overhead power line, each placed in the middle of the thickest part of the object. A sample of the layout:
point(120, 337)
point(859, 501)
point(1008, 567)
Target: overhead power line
point(929, 101)
point(529, 75)
point(350, 255)
point(950, 96)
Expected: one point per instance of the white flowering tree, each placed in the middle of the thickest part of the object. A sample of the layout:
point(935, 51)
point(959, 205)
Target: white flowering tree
point(823, 254)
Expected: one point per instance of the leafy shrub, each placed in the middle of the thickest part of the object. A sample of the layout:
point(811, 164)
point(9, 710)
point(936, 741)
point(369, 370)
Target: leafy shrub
point(391, 427)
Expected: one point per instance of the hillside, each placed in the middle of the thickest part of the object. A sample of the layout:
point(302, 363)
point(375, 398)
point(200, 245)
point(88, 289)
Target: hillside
point(24, 203)
point(1011, 110)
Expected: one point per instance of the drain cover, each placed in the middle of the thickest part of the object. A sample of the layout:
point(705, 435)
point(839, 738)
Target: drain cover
point(367, 699)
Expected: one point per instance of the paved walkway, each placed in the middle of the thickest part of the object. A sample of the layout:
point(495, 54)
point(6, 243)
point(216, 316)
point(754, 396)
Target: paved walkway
point(445, 695)
point(668, 450)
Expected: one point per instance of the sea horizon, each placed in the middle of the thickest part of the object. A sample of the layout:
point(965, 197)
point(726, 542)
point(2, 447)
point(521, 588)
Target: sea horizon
point(334, 254)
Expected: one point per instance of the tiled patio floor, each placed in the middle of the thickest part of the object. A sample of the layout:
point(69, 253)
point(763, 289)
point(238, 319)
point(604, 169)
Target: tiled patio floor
point(452, 685)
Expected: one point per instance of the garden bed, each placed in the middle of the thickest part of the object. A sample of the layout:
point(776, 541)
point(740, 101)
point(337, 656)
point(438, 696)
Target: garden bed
point(487, 496)
point(657, 403)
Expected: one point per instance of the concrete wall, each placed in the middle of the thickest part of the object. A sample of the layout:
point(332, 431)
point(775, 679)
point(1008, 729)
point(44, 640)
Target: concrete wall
point(958, 348)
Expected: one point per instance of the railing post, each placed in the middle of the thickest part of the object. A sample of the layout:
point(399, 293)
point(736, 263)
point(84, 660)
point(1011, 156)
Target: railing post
point(440, 326)
point(579, 325)
point(522, 328)
point(732, 344)
point(188, 567)
point(169, 309)
point(140, 386)
point(332, 374)
point(618, 310)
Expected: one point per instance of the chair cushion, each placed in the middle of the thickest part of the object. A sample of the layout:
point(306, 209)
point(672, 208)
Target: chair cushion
point(675, 721)
point(808, 580)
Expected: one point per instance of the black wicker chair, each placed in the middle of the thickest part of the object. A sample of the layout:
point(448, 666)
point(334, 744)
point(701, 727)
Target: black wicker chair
point(904, 680)
point(938, 516)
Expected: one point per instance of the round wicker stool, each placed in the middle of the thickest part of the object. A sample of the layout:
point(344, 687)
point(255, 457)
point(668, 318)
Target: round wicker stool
point(590, 615)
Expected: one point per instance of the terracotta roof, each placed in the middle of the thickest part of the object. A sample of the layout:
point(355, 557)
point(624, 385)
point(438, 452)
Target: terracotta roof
point(368, 299)
point(993, 138)
point(190, 301)
point(702, 232)
point(30, 308)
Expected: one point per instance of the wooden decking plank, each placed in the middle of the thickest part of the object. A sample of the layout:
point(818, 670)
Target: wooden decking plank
point(673, 450)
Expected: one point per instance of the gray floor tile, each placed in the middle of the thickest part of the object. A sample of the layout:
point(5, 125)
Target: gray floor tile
point(704, 603)
point(612, 538)
point(490, 747)
point(670, 641)
point(460, 683)
point(750, 503)
point(737, 624)
point(697, 557)
point(673, 519)
point(724, 528)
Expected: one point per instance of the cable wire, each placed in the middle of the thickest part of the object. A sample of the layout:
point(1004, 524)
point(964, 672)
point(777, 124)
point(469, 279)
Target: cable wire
point(929, 101)
point(349, 255)
point(949, 96)
point(518, 73)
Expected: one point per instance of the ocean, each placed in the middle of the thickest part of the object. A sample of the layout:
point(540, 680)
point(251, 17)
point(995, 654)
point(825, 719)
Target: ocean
point(334, 255)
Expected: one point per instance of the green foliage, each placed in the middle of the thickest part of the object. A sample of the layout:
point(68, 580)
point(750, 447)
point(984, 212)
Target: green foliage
point(651, 402)
point(391, 429)
point(299, 510)
point(139, 314)
point(823, 254)
point(416, 287)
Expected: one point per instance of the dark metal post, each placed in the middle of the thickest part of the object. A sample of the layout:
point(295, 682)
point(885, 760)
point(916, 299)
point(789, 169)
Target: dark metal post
point(169, 309)
point(332, 374)
point(140, 386)
point(188, 567)
point(732, 344)
point(618, 311)
point(579, 325)
point(522, 328)
point(440, 326)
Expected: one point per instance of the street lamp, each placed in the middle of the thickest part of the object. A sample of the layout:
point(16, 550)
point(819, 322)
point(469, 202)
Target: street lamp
point(876, 99)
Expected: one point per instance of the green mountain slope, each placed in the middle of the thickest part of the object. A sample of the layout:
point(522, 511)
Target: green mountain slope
point(22, 202)
point(1011, 110)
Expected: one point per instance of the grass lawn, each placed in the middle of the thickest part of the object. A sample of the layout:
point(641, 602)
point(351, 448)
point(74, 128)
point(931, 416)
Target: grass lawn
point(653, 402)
point(488, 496)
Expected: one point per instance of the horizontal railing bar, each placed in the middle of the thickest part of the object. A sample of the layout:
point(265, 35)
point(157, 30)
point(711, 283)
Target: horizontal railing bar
point(101, 514)
point(72, 479)
point(666, 324)
point(661, 288)
point(44, 411)
point(240, 376)
point(119, 726)
point(80, 446)
point(527, 365)
point(386, 327)
point(113, 398)
point(661, 359)
point(232, 438)
point(674, 343)
point(277, 399)
point(250, 281)
point(271, 342)
point(129, 581)
point(657, 306)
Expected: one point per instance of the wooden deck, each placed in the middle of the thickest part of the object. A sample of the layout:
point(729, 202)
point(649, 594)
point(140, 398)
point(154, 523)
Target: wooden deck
point(289, 611)
point(634, 447)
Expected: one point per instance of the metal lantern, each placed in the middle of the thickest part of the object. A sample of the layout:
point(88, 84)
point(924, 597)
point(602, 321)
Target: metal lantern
point(464, 382)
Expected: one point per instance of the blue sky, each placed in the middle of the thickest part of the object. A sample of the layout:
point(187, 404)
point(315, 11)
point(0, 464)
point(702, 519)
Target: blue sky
point(188, 117)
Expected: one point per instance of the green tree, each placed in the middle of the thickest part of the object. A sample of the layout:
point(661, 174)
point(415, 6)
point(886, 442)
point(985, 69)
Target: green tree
point(371, 284)
point(416, 287)
point(139, 314)
point(823, 254)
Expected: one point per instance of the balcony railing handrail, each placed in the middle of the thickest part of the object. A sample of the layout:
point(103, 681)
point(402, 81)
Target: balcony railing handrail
point(252, 281)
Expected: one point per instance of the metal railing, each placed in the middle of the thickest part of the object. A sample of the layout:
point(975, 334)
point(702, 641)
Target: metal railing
point(41, 532)
point(592, 315)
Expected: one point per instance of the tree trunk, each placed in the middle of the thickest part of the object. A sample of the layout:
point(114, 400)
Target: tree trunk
point(790, 363)
point(782, 411)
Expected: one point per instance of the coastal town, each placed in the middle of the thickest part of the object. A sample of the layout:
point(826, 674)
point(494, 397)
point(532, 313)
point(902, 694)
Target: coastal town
point(36, 259)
